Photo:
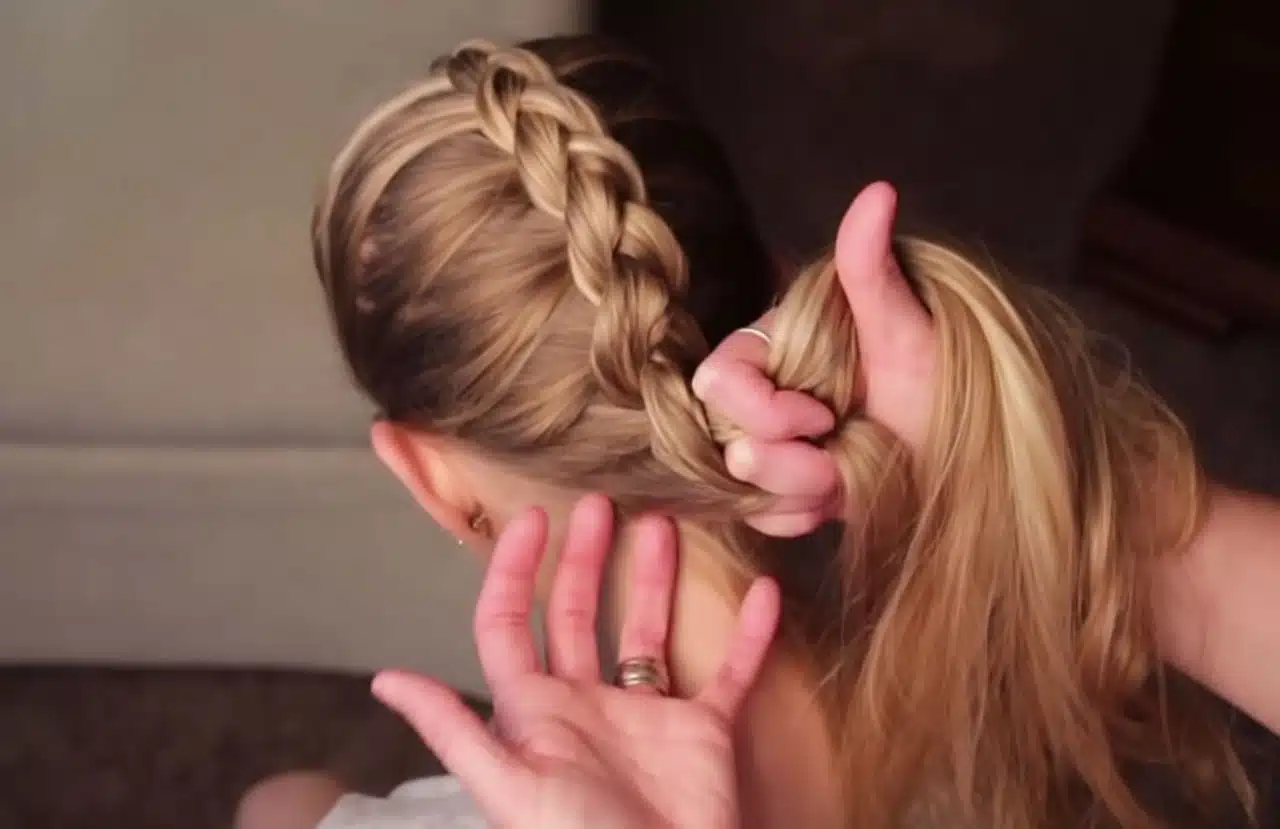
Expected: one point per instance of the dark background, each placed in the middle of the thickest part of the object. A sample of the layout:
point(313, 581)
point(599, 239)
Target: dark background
point(1118, 151)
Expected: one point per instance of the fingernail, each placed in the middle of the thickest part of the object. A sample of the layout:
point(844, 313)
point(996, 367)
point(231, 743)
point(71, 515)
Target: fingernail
point(702, 380)
point(824, 422)
point(384, 685)
point(740, 458)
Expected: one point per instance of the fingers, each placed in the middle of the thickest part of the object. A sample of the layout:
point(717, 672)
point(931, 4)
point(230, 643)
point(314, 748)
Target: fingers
point(757, 624)
point(504, 639)
point(869, 271)
point(897, 345)
point(803, 475)
point(575, 594)
point(791, 524)
point(793, 468)
point(732, 382)
point(465, 746)
point(651, 580)
point(895, 332)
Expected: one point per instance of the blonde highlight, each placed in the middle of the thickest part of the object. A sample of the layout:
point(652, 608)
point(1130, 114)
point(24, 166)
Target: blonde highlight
point(500, 270)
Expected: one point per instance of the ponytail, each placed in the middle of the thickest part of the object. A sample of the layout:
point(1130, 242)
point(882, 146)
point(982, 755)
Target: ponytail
point(999, 643)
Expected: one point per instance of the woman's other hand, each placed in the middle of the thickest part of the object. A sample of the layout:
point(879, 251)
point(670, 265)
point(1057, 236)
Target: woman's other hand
point(896, 352)
point(570, 750)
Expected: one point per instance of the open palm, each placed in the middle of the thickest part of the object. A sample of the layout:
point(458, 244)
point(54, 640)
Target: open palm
point(568, 750)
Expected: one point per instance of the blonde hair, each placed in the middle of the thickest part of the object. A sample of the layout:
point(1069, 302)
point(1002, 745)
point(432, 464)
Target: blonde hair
point(530, 250)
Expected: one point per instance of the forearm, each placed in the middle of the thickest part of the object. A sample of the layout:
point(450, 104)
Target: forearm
point(1218, 606)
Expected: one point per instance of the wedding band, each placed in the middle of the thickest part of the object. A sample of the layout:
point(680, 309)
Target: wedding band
point(756, 332)
point(643, 672)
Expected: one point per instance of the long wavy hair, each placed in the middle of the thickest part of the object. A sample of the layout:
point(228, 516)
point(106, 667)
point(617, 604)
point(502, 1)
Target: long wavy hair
point(531, 249)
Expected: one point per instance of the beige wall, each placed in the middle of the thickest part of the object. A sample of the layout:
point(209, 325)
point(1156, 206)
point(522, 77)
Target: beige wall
point(183, 471)
point(157, 164)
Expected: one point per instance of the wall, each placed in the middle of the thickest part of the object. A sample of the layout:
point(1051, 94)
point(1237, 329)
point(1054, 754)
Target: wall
point(184, 475)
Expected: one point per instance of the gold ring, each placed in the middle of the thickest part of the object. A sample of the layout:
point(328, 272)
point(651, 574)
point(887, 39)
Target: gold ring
point(756, 332)
point(643, 672)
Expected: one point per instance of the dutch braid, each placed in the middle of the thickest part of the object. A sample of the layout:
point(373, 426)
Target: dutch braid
point(499, 273)
point(622, 256)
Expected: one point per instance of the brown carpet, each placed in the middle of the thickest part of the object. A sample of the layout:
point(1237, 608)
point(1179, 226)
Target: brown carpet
point(108, 749)
point(142, 749)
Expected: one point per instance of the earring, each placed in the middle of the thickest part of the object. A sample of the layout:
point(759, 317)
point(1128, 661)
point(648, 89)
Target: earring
point(479, 525)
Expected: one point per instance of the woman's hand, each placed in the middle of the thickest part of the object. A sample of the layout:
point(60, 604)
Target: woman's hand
point(571, 751)
point(897, 348)
point(1217, 610)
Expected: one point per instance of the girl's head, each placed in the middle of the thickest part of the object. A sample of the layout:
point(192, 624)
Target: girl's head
point(526, 256)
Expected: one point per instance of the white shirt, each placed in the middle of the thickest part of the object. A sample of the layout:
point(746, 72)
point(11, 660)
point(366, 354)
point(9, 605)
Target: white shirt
point(428, 803)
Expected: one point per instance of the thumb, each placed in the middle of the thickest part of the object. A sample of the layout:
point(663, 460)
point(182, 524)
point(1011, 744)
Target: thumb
point(883, 306)
point(460, 739)
point(896, 337)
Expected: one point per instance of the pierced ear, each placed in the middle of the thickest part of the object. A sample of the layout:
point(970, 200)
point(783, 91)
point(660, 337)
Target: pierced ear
point(420, 465)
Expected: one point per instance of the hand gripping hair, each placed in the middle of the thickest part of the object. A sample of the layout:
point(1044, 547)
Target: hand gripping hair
point(529, 252)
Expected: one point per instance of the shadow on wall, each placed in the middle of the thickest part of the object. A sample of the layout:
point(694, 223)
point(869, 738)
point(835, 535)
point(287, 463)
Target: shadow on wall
point(997, 119)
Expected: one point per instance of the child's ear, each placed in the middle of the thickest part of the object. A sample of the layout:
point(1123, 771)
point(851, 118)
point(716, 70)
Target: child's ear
point(419, 463)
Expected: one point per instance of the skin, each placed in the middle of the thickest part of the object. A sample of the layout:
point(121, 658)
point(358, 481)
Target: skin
point(1217, 604)
point(897, 354)
point(779, 737)
point(565, 747)
point(1216, 600)
point(571, 750)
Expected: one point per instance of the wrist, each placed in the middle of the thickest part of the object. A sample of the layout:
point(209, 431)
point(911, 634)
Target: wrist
point(1185, 594)
point(1216, 605)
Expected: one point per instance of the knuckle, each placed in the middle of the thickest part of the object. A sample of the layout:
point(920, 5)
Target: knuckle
point(774, 424)
point(573, 619)
point(827, 477)
point(647, 640)
point(807, 524)
point(913, 344)
point(499, 620)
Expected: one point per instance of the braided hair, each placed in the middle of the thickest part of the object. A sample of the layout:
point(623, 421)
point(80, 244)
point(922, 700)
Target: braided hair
point(532, 249)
